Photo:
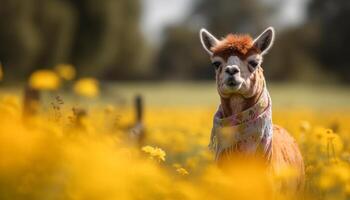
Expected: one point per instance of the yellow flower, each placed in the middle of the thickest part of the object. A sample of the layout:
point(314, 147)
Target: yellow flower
point(66, 71)
point(347, 189)
point(182, 171)
point(176, 165)
point(109, 109)
point(155, 152)
point(305, 126)
point(87, 87)
point(159, 153)
point(44, 80)
point(147, 149)
point(326, 181)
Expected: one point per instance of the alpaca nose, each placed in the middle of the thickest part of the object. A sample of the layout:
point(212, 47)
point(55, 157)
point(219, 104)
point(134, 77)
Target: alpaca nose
point(231, 70)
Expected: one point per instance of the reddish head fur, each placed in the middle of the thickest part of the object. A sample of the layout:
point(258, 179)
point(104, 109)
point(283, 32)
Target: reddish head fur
point(240, 45)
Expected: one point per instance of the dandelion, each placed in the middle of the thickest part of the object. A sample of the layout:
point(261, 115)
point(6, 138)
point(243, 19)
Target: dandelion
point(65, 71)
point(87, 87)
point(44, 80)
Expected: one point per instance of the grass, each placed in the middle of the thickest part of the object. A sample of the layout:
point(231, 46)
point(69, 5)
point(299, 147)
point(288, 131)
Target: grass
point(285, 95)
point(205, 94)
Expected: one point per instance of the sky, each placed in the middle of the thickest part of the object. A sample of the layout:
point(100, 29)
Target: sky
point(157, 14)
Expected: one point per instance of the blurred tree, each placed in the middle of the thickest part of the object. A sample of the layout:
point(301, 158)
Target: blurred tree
point(330, 18)
point(290, 58)
point(226, 16)
point(19, 39)
point(55, 22)
point(110, 42)
point(99, 37)
point(34, 34)
point(181, 56)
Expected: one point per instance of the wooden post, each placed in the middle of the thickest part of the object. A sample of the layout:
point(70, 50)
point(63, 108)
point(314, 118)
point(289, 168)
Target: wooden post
point(31, 101)
point(137, 132)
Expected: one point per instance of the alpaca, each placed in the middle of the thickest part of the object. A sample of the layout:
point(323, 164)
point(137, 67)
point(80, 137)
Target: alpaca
point(243, 121)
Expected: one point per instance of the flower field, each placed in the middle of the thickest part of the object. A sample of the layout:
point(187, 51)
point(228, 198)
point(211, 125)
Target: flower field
point(68, 150)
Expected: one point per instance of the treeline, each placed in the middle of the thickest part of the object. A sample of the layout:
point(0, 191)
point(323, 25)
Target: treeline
point(100, 38)
point(103, 38)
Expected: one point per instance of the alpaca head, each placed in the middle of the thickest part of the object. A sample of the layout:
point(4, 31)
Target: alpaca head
point(237, 60)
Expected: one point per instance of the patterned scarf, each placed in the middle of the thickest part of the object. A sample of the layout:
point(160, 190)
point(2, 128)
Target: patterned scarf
point(249, 132)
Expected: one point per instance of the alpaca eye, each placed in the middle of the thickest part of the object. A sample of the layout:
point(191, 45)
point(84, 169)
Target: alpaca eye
point(216, 64)
point(253, 63)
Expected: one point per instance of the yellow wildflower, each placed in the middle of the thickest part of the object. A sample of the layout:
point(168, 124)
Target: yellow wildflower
point(147, 149)
point(176, 165)
point(326, 181)
point(305, 126)
point(182, 171)
point(155, 152)
point(160, 154)
point(66, 71)
point(109, 109)
point(87, 87)
point(347, 189)
point(44, 80)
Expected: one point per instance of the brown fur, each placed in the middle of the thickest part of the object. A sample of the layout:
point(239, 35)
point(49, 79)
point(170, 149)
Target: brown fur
point(286, 153)
point(240, 45)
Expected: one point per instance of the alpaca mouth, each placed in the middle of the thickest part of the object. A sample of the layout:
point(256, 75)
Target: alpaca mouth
point(231, 82)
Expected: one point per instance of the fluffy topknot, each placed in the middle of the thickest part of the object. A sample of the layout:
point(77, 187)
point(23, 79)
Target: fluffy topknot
point(239, 44)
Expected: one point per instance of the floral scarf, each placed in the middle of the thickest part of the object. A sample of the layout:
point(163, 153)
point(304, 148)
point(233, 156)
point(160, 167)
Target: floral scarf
point(249, 132)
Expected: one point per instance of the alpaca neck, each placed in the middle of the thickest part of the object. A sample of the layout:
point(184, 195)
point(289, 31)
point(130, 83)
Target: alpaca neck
point(238, 103)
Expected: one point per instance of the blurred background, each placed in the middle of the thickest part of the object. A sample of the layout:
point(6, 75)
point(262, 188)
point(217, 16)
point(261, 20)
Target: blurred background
point(131, 46)
point(158, 39)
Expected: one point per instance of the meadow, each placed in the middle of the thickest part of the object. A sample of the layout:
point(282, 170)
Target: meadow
point(77, 144)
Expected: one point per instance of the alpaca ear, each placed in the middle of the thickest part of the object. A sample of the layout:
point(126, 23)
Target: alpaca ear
point(207, 40)
point(265, 40)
